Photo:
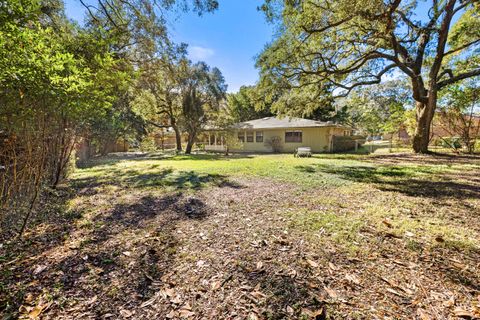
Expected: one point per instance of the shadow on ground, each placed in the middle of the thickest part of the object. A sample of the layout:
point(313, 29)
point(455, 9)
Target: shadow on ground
point(284, 292)
point(47, 229)
point(178, 180)
point(139, 156)
point(411, 181)
point(432, 159)
point(110, 257)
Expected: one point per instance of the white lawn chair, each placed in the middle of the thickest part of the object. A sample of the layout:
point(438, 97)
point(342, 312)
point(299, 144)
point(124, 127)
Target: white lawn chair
point(303, 152)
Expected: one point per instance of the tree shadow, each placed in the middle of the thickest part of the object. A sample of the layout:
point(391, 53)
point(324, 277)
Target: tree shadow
point(148, 207)
point(279, 292)
point(306, 168)
point(112, 159)
point(179, 180)
point(114, 260)
point(411, 181)
point(47, 229)
point(459, 272)
point(428, 159)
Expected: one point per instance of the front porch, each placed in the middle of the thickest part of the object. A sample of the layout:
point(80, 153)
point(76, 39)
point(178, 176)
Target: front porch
point(214, 142)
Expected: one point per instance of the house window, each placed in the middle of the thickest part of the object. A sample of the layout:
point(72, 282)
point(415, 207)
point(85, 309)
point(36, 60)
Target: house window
point(293, 136)
point(259, 136)
point(241, 136)
point(249, 136)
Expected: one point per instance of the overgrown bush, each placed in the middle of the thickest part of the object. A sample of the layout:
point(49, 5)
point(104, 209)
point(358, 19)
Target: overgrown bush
point(451, 142)
point(346, 143)
point(148, 144)
point(51, 88)
point(275, 143)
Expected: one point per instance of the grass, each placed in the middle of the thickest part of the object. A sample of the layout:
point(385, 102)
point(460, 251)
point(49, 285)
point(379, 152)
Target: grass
point(194, 171)
point(127, 228)
point(362, 191)
point(178, 170)
point(304, 171)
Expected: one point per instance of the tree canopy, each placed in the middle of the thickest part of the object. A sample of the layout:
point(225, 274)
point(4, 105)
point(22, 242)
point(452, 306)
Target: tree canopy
point(343, 45)
point(377, 109)
point(202, 89)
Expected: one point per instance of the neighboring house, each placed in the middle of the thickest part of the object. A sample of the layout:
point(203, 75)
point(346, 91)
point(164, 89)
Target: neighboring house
point(284, 134)
point(165, 139)
point(441, 127)
point(84, 149)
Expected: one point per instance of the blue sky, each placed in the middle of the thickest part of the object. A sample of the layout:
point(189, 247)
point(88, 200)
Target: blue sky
point(229, 38)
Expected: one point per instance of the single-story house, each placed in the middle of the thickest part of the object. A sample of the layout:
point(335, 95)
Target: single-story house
point(277, 134)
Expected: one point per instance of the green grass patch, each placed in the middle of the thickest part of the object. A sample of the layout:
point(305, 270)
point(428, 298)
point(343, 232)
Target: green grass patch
point(357, 191)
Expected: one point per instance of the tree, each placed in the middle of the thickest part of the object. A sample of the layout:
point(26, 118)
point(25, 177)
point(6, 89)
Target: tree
point(139, 27)
point(50, 89)
point(353, 43)
point(61, 82)
point(159, 100)
point(118, 121)
point(202, 89)
point(247, 104)
point(458, 107)
point(377, 109)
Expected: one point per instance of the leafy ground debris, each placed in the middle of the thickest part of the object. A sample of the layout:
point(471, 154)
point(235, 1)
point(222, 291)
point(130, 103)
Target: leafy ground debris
point(268, 237)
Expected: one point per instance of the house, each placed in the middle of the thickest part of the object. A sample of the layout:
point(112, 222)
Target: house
point(443, 127)
point(165, 138)
point(277, 134)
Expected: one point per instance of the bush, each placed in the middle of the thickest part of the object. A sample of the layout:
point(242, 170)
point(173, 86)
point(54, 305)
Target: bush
point(346, 143)
point(451, 142)
point(275, 143)
point(148, 144)
point(477, 146)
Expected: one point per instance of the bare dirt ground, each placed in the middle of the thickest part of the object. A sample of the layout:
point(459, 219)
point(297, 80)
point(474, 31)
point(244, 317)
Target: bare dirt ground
point(233, 250)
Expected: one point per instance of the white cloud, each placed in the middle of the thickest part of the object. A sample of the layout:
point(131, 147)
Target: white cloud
point(200, 53)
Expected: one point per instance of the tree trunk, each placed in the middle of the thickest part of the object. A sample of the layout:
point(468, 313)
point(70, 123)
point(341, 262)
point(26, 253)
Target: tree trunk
point(188, 149)
point(105, 146)
point(178, 136)
point(425, 112)
point(178, 139)
point(190, 142)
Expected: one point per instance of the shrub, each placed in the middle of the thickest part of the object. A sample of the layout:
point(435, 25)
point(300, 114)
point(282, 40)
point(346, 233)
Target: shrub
point(346, 143)
point(451, 142)
point(275, 143)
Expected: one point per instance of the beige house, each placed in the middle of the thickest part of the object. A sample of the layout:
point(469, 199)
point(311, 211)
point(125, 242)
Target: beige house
point(278, 134)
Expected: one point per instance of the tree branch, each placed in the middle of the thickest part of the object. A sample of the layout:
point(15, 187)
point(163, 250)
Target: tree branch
point(442, 40)
point(325, 28)
point(158, 125)
point(458, 77)
point(464, 46)
point(349, 88)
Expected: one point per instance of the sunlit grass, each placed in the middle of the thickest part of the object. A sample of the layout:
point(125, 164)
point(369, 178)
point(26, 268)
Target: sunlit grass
point(356, 194)
point(357, 210)
point(315, 171)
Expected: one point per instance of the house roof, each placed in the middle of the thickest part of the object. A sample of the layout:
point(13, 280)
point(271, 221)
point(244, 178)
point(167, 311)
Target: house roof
point(286, 122)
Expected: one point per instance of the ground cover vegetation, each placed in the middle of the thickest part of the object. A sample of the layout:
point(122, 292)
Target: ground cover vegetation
point(258, 237)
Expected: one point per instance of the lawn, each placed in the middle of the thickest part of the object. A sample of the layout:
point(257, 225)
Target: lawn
point(393, 236)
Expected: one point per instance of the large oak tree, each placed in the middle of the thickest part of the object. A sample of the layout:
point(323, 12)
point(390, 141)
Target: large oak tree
point(202, 89)
point(352, 43)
